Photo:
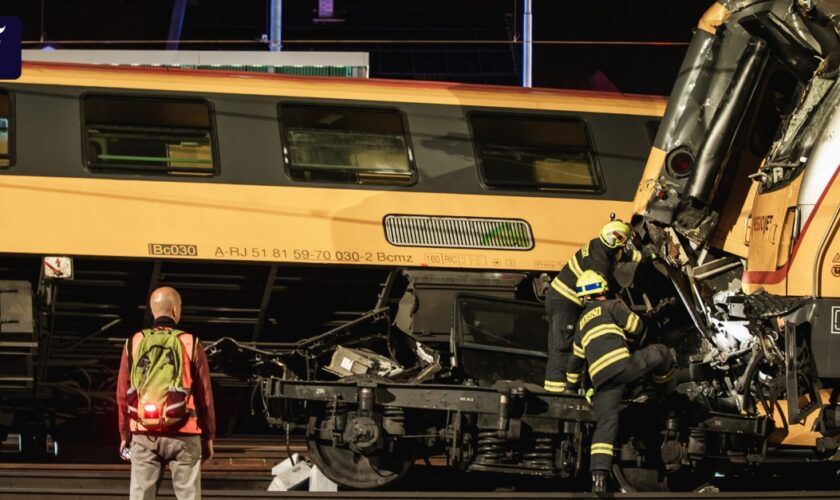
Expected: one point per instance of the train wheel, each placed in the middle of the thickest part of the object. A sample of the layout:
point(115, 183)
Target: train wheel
point(693, 478)
point(368, 459)
point(367, 452)
point(633, 479)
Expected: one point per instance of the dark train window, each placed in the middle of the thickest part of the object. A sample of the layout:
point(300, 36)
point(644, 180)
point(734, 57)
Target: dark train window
point(5, 129)
point(501, 323)
point(333, 144)
point(534, 152)
point(165, 136)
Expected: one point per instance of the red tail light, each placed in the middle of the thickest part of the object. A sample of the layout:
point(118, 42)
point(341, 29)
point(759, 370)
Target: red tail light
point(680, 162)
point(150, 409)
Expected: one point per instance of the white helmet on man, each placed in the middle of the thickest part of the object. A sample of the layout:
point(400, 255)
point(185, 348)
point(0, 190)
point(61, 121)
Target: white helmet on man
point(615, 234)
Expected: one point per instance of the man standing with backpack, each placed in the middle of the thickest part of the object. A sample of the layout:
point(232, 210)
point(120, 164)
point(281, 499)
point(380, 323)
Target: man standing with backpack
point(165, 403)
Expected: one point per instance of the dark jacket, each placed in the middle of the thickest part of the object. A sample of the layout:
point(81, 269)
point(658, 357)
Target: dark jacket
point(594, 256)
point(600, 340)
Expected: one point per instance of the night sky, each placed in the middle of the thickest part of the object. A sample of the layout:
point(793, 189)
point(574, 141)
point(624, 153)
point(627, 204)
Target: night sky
point(626, 68)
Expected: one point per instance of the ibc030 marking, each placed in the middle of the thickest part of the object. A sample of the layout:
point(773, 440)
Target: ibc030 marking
point(173, 249)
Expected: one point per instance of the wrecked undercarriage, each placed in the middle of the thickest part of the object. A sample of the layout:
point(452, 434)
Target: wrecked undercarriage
point(440, 366)
point(450, 364)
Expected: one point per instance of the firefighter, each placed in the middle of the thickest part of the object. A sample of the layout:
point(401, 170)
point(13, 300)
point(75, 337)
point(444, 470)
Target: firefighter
point(562, 304)
point(600, 341)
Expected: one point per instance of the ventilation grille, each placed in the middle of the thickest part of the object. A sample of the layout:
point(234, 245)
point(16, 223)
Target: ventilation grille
point(458, 232)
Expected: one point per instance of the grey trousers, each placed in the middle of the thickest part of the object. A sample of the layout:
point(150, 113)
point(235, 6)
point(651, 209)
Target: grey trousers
point(149, 453)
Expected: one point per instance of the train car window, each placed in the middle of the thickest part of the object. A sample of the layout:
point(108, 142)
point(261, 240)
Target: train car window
point(5, 129)
point(333, 144)
point(165, 136)
point(500, 323)
point(534, 152)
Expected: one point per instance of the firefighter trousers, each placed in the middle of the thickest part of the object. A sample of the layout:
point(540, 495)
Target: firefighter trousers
point(654, 358)
point(562, 316)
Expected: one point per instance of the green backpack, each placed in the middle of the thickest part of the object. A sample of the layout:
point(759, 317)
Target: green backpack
point(160, 380)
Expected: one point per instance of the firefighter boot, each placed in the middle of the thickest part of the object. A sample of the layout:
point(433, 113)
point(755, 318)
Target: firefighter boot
point(599, 481)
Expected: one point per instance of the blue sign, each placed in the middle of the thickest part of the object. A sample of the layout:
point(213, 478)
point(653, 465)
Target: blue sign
point(10, 48)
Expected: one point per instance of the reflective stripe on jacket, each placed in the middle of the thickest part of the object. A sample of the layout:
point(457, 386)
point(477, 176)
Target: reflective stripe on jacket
point(593, 255)
point(600, 340)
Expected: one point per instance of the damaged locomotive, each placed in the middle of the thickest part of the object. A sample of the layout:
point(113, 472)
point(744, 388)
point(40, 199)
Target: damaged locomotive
point(739, 196)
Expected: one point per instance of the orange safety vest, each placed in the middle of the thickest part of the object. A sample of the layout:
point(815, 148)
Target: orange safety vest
point(191, 425)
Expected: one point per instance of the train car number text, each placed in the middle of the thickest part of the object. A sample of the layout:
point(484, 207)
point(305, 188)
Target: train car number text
point(303, 254)
point(173, 249)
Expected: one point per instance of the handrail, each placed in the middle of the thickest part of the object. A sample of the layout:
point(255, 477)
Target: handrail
point(821, 248)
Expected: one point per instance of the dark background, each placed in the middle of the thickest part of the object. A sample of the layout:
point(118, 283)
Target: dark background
point(627, 68)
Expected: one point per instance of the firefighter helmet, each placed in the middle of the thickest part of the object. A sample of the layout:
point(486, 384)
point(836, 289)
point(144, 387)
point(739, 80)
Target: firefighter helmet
point(615, 234)
point(590, 283)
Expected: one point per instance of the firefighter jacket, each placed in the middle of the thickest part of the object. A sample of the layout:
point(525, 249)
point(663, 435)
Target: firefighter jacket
point(600, 341)
point(594, 256)
point(202, 417)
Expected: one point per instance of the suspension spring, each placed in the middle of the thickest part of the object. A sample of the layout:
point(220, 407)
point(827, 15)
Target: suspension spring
point(395, 414)
point(541, 454)
point(394, 421)
point(491, 448)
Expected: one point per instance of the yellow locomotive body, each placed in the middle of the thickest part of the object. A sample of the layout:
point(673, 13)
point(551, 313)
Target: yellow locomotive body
point(749, 212)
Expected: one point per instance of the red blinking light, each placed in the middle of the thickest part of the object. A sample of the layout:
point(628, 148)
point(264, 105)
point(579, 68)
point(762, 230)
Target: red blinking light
point(150, 408)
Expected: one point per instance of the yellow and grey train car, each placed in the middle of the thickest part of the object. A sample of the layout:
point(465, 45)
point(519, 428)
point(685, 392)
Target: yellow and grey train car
point(279, 205)
point(150, 163)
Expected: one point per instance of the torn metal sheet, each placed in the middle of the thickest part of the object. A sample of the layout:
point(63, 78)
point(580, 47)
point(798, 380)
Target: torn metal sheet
point(346, 362)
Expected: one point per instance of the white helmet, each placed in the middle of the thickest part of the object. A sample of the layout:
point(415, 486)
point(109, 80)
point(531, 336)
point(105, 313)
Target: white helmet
point(615, 234)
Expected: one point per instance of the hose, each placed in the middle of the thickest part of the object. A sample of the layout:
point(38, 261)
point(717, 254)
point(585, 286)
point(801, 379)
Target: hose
point(749, 373)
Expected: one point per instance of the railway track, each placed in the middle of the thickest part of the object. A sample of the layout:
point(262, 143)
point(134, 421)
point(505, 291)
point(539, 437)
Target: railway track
point(32, 493)
point(242, 469)
point(70, 482)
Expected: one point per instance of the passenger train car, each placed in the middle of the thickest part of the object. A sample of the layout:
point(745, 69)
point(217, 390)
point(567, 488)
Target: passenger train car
point(279, 206)
point(235, 167)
